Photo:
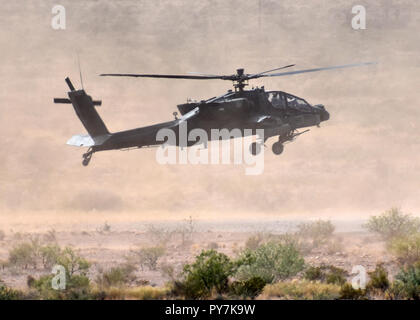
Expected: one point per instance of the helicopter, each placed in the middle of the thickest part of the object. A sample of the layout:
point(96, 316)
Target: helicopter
point(278, 113)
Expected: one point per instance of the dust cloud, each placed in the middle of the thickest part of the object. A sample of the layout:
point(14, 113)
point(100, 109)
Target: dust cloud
point(363, 160)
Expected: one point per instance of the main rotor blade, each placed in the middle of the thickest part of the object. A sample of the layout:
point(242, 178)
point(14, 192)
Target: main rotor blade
point(167, 76)
point(203, 74)
point(257, 75)
point(317, 69)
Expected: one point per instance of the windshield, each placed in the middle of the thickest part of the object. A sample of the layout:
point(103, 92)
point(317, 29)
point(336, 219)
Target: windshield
point(277, 99)
point(295, 102)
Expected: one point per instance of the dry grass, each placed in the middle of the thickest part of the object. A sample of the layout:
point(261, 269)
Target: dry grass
point(136, 293)
point(301, 290)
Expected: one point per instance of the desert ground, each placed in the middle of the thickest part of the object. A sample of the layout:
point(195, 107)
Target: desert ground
point(107, 243)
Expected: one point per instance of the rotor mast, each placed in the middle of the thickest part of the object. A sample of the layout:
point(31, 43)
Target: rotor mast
point(240, 82)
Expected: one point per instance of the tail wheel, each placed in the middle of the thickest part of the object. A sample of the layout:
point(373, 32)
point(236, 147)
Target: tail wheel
point(255, 148)
point(86, 161)
point(86, 157)
point(277, 148)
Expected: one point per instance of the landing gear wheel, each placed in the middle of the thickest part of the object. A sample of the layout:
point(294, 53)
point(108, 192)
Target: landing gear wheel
point(277, 148)
point(255, 148)
point(86, 157)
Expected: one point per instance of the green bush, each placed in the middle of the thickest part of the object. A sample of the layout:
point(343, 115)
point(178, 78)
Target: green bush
point(148, 257)
point(249, 288)
point(347, 292)
point(326, 273)
point(207, 275)
point(378, 279)
point(271, 262)
point(72, 262)
point(336, 275)
point(318, 232)
point(77, 288)
point(409, 279)
point(396, 291)
point(50, 255)
point(314, 274)
point(393, 224)
point(406, 249)
point(7, 293)
point(117, 276)
point(77, 282)
point(23, 255)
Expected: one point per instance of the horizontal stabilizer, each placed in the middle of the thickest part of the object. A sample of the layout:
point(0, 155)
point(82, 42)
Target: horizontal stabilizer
point(68, 101)
point(81, 141)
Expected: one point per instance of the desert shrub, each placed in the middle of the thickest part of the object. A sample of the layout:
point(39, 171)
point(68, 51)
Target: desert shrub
point(253, 242)
point(213, 245)
point(406, 249)
point(104, 229)
point(167, 270)
point(409, 279)
point(249, 288)
point(318, 232)
point(378, 279)
point(77, 283)
point(336, 275)
point(2, 235)
point(208, 274)
point(393, 224)
point(77, 288)
point(301, 290)
point(148, 257)
point(7, 293)
point(117, 276)
point(271, 262)
point(300, 243)
point(396, 291)
point(49, 255)
point(72, 262)
point(50, 236)
point(347, 292)
point(23, 255)
point(334, 246)
point(326, 273)
point(159, 235)
point(314, 274)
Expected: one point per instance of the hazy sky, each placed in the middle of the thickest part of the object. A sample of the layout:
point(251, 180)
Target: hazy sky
point(364, 160)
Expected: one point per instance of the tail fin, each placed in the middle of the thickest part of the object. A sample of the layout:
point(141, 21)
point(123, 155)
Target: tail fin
point(85, 110)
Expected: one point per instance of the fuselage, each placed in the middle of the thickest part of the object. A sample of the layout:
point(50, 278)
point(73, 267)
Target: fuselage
point(273, 111)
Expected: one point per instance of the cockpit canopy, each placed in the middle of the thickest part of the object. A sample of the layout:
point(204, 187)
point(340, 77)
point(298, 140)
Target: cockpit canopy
point(282, 100)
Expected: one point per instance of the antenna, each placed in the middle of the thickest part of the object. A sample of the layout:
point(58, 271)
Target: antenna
point(80, 71)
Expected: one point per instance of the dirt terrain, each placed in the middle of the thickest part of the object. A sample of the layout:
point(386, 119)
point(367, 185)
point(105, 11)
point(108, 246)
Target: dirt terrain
point(108, 244)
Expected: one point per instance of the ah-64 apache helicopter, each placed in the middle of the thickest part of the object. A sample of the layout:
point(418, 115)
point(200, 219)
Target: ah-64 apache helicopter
point(276, 112)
